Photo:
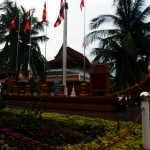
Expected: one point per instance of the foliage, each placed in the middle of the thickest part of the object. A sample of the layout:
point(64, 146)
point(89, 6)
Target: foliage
point(126, 46)
point(74, 132)
point(3, 75)
point(33, 110)
point(2, 102)
point(4, 146)
point(21, 47)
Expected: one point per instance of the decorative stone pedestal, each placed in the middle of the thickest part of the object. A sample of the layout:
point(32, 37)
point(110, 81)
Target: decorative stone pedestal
point(84, 89)
point(44, 89)
point(14, 90)
point(62, 86)
point(27, 90)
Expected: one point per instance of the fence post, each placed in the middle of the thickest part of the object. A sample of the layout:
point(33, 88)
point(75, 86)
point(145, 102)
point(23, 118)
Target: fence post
point(145, 120)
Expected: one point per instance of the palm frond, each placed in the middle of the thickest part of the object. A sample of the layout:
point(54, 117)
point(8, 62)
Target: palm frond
point(96, 22)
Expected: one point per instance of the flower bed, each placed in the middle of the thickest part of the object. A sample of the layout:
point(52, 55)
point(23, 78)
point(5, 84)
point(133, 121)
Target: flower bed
point(72, 132)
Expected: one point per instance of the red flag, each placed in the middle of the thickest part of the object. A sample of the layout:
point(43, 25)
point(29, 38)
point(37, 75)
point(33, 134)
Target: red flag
point(149, 64)
point(27, 25)
point(61, 14)
point(44, 13)
point(82, 4)
point(12, 25)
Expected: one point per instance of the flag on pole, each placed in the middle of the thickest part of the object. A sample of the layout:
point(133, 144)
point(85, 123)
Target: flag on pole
point(27, 25)
point(81, 4)
point(61, 14)
point(149, 64)
point(12, 25)
point(44, 13)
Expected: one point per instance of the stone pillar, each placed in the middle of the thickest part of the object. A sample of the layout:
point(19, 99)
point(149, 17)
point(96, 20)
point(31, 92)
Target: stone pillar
point(14, 90)
point(62, 86)
point(84, 89)
point(44, 89)
point(27, 90)
point(145, 120)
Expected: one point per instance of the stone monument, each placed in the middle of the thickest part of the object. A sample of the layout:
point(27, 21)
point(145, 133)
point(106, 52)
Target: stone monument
point(56, 86)
point(73, 94)
point(100, 79)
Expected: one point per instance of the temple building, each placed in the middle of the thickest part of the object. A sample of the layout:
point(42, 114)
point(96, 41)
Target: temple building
point(74, 70)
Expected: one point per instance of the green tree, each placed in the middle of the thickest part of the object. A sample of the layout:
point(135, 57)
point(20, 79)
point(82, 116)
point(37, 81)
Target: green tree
point(125, 46)
point(8, 53)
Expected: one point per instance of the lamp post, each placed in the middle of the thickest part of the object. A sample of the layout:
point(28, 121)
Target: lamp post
point(120, 98)
point(145, 120)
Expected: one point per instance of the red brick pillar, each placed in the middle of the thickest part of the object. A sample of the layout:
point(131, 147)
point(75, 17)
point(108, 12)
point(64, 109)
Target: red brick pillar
point(62, 86)
point(84, 89)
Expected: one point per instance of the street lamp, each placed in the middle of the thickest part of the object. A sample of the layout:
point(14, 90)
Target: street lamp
point(120, 98)
point(145, 119)
point(144, 94)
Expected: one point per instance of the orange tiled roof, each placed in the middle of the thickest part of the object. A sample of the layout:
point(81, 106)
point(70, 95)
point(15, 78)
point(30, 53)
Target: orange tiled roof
point(74, 58)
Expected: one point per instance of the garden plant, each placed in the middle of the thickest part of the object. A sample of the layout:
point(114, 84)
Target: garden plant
point(68, 132)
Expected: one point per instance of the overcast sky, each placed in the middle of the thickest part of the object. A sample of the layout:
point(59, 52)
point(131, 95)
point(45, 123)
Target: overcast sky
point(75, 22)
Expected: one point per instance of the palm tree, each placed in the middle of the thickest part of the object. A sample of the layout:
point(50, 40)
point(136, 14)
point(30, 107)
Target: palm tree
point(8, 54)
point(126, 45)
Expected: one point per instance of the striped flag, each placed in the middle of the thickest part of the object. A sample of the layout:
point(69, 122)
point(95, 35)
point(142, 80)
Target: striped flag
point(61, 14)
point(149, 64)
point(27, 25)
point(44, 13)
point(81, 4)
point(12, 25)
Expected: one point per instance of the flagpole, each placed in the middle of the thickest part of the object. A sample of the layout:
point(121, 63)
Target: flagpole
point(17, 70)
point(64, 47)
point(17, 49)
point(45, 57)
point(84, 35)
point(30, 47)
point(149, 65)
point(45, 42)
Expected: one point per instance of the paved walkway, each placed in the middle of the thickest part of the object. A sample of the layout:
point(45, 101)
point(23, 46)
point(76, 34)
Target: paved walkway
point(125, 113)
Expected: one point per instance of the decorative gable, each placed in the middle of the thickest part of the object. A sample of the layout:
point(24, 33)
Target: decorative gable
point(74, 59)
